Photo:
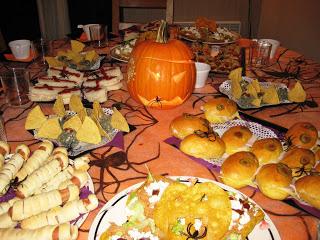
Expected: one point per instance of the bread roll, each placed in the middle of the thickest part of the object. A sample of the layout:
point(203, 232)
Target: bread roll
point(236, 139)
point(308, 189)
point(300, 161)
point(203, 146)
point(220, 110)
point(186, 124)
point(302, 134)
point(238, 169)
point(267, 150)
point(274, 179)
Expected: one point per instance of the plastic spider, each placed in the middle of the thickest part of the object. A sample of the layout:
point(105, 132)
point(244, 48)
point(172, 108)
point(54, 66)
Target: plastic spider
point(195, 235)
point(157, 100)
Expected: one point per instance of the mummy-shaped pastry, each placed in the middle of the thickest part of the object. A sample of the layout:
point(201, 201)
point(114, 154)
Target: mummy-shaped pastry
point(38, 158)
point(54, 182)
point(42, 175)
point(1, 161)
point(79, 178)
point(70, 211)
point(10, 169)
point(36, 204)
point(81, 163)
point(4, 206)
point(4, 148)
point(64, 231)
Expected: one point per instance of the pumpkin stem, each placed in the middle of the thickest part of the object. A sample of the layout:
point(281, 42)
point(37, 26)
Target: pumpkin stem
point(162, 35)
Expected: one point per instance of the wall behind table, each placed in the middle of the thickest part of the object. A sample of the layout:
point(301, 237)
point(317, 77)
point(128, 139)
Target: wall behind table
point(295, 23)
point(189, 10)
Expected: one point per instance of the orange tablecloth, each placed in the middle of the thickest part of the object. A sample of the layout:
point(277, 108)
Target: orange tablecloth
point(146, 143)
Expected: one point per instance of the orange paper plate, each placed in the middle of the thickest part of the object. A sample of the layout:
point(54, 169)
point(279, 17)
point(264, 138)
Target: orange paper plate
point(10, 57)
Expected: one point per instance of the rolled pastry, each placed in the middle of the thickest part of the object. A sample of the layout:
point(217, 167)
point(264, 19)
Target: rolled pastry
point(4, 206)
point(70, 211)
point(81, 163)
point(60, 150)
point(10, 169)
point(23, 150)
point(37, 159)
point(79, 179)
point(36, 204)
point(57, 180)
point(4, 148)
point(64, 231)
point(42, 175)
point(1, 161)
point(6, 221)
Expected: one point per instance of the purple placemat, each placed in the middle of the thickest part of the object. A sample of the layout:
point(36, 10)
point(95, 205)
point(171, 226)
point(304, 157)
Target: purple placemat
point(117, 141)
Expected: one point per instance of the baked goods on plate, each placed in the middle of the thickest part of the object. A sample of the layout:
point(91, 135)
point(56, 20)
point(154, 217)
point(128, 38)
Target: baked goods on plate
point(206, 209)
point(267, 150)
point(302, 134)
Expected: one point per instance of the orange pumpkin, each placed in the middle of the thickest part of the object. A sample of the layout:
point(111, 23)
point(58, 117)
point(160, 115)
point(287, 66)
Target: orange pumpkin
point(160, 72)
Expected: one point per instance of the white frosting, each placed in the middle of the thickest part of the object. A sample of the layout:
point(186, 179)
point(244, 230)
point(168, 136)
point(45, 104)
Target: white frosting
point(136, 235)
point(197, 224)
point(155, 186)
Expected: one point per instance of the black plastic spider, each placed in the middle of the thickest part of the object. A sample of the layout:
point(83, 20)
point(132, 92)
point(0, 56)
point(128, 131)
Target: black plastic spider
point(195, 235)
point(64, 73)
point(157, 100)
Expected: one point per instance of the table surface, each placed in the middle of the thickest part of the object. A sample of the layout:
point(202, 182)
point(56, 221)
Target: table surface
point(112, 172)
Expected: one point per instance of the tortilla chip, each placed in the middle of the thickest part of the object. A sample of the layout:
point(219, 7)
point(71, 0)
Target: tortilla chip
point(89, 132)
point(270, 95)
point(256, 102)
point(74, 123)
point(252, 91)
point(82, 114)
point(75, 103)
point(236, 89)
point(53, 62)
point(255, 83)
point(58, 107)
point(236, 74)
point(35, 118)
point(50, 129)
point(91, 55)
point(119, 122)
point(103, 133)
point(97, 110)
point(297, 93)
point(77, 46)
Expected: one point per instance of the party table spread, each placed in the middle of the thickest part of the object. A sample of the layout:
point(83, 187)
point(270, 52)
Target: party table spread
point(114, 168)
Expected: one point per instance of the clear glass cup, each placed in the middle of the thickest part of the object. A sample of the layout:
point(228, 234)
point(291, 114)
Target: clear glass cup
point(15, 82)
point(40, 49)
point(99, 35)
point(259, 53)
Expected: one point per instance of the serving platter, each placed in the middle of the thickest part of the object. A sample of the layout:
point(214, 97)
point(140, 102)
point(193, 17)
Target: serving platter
point(81, 146)
point(225, 88)
point(118, 57)
point(114, 211)
point(193, 35)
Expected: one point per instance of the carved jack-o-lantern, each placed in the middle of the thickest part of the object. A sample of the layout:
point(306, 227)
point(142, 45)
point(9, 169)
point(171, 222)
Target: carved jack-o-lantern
point(161, 73)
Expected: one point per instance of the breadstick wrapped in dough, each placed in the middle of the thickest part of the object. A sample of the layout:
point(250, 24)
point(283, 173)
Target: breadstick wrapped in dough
point(42, 175)
point(79, 179)
point(36, 204)
point(82, 163)
point(10, 169)
point(64, 231)
point(6, 221)
point(54, 182)
point(1, 161)
point(38, 158)
point(4, 206)
point(4, 148)
point(70, 211)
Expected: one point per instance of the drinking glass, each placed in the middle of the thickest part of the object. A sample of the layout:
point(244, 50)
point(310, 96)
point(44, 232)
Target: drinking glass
point(99, 35)
point(15, 82)
point(40, 50)
point(259, 53)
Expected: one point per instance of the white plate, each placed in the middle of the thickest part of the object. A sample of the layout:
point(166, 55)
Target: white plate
point(225, 88)
point(83, 147)
point(114, 211)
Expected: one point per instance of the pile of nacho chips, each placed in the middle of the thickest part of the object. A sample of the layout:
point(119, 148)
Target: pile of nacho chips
point(85, 124)
point(74, 58)
point(253, 93)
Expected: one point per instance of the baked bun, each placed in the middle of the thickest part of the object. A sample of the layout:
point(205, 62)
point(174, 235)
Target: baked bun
point(267, 150)
point(220, 110)
point(238, 169)
point(308, 189)
point(300, 161)
point(302, 134)
point(273, 180)
point(236, 139)
point(187, 124)
point(207, 146)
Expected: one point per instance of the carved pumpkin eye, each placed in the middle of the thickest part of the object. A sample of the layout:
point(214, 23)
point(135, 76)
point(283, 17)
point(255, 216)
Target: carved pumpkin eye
point(178, 76)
